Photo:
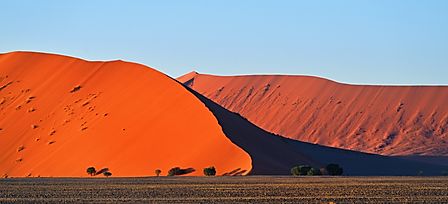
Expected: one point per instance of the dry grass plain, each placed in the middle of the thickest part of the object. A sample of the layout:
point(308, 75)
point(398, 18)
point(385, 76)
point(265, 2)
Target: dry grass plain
point(253, 189)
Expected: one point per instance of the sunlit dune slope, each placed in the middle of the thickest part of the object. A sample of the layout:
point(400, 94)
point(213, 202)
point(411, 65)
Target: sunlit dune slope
point(275, 155)
point(60, 115)
point(388, 120)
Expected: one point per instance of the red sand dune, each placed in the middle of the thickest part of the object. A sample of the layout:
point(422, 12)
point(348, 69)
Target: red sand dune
point(388, 120)
point(275, 155)
point(60, 115)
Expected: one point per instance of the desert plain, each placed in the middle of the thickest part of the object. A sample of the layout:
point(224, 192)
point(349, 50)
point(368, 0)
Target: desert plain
point(247, 189)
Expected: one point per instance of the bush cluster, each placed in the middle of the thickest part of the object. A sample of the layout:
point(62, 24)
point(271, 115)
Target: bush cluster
point(210, 171)
point(306, 170)
point(93, 172)
point(177, 171)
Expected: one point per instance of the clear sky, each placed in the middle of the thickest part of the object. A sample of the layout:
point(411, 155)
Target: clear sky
point(353, 41)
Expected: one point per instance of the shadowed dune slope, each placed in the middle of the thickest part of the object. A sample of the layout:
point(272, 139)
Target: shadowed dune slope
point(275, 155)
point(60, 115)
point(388, 120)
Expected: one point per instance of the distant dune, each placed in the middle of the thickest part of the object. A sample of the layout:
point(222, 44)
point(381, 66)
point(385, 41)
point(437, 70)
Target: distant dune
point(387, 120)
point(60, 115)
point(275, 155)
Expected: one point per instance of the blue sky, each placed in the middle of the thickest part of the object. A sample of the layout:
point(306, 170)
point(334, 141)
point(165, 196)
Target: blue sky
point(353, 41)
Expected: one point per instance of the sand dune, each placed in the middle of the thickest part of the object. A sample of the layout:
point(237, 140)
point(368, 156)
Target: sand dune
point(60, 115)
point(275, 155)
point(388, 120)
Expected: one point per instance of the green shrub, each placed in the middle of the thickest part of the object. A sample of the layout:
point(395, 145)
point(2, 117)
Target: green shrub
point(304, 169)
point(91, 171)
point(334, 170)
point(300, 170)
point(210, 171)
point(295, 171)
point(314, 172)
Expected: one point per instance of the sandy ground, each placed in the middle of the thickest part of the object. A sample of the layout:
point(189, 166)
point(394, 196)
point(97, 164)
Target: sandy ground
point(254, 189)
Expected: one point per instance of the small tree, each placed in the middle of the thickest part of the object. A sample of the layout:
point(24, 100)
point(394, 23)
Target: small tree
point(295, 171)
point(157, 172)
point(314, 172)
point(210, 171)
point(300, 170)
point(91, 171)
point(107, 174)
point(334, 169)
point(304, 169)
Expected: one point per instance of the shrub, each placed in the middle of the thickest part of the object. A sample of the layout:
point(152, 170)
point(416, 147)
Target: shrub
point(295, 171)
point(300, 170)
point(157, 172)
point(304, 169)
point(177, 171)
point(107, 174)
point(314, 172)
point(334, 169)
point(91, 171)
point(210, 171)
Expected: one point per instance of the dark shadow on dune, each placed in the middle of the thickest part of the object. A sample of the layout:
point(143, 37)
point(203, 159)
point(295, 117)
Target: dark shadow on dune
point(240, 173)
point(186, 171)
point(231, 172)
point(189, 82)
point(275, 155)
point(101, 171)
point(177, 171)
point(236, 172)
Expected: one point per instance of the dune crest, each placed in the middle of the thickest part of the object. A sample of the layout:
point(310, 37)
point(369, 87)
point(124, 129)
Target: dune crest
point(60, 115)
point(387, 120)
